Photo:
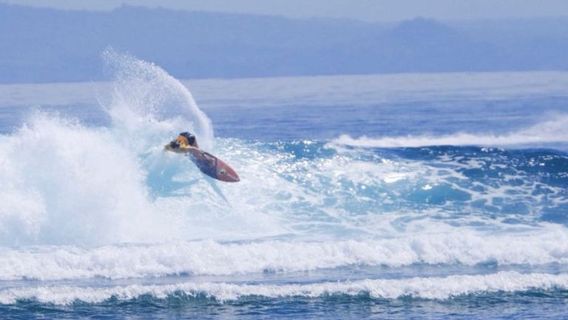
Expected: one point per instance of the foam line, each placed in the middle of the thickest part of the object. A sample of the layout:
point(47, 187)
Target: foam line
point(428, 288)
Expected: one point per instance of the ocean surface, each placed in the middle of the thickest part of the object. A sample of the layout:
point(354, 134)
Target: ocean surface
point(381, 196)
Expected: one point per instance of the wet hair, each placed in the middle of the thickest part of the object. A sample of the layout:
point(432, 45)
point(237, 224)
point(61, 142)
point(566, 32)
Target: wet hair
point(190, 138)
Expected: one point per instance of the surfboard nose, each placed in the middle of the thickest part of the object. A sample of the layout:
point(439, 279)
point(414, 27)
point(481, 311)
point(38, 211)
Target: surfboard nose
point(233, 177)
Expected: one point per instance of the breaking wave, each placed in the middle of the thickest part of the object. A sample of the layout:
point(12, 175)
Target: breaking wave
point(545, 134)
point(426, 288)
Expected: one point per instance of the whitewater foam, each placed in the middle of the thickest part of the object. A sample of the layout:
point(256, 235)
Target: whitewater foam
point(459, 247)
point(67, 183)
point(89, 188)
point(64, 183)
point(427, 288)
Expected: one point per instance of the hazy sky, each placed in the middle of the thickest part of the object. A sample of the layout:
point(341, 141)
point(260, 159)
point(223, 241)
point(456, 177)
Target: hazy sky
point(369, 10)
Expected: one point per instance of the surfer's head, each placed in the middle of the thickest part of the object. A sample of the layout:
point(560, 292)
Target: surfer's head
point(186, 139)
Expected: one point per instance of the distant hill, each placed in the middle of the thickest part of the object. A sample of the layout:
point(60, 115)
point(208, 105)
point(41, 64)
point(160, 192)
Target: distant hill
point(47, 45)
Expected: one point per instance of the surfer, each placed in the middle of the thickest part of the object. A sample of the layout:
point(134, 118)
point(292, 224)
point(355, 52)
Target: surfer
point(186, 143)
point(183, 143)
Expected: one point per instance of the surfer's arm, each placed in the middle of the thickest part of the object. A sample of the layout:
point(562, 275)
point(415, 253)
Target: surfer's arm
point(180, 149)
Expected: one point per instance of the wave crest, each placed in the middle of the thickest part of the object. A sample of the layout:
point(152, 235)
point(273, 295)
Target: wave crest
point(548, 133)
point(438, 288)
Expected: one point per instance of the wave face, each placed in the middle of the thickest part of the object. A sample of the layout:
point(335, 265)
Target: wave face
point(99, 215)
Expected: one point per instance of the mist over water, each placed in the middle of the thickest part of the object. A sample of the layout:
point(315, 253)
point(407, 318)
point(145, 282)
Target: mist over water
point(93, 213)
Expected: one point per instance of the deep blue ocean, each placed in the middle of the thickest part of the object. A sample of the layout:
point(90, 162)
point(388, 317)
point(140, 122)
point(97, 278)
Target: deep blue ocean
point(382, 196)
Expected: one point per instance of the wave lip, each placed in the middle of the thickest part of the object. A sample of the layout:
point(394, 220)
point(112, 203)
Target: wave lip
point(436, 288)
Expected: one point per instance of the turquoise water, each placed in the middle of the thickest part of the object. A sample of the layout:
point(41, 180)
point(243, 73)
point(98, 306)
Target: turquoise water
point(396, 196)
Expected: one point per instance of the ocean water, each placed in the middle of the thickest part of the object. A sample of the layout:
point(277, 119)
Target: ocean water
point(385, 196)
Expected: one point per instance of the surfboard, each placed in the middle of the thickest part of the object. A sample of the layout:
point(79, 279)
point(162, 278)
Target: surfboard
point(209, 164)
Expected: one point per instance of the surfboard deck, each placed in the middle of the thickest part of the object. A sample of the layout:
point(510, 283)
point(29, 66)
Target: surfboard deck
point(209, 164)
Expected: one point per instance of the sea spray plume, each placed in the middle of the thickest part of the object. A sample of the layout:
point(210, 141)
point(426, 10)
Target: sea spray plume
point(80, 185)
point(76, 185)
point(144, 94)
